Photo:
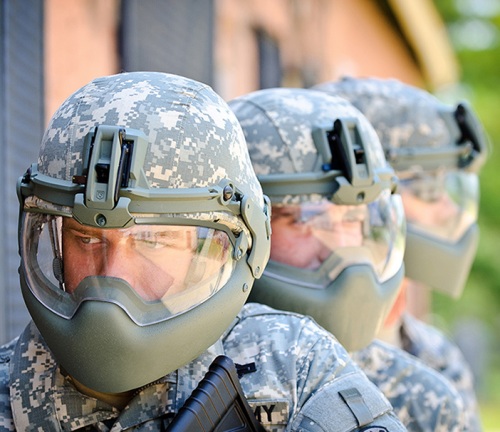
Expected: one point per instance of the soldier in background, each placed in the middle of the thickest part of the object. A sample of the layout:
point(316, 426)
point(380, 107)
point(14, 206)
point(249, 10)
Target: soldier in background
point(437, 151)
point(142, 229)
point(338, 238)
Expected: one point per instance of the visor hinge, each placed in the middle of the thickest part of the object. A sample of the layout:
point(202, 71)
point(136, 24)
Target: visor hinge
point(106, 166)
point(344, 150)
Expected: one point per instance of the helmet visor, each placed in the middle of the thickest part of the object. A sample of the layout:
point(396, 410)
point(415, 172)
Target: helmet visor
point(152, 271)
point(442, 204)
point(309, 234)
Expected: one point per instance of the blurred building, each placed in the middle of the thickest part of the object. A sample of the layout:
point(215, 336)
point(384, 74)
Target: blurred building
point(52, 47)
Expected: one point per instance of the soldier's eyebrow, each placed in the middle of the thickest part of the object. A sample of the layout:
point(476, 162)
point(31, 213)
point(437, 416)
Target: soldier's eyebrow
point(73, 225)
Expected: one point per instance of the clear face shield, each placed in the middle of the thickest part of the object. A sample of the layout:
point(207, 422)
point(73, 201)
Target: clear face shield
point(442, 204)
point(168, 268)
point(310, 235)
point(442, 237)
point(331, 261)
point(106, 236)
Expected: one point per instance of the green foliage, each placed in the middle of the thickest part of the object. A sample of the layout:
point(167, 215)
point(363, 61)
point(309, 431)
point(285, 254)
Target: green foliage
point(481, 299)
point(489, 402)
point(447, 10)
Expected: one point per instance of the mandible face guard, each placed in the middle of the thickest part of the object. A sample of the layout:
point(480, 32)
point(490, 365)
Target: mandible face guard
point(354, 288)
point(107, 333)
point(441, 212)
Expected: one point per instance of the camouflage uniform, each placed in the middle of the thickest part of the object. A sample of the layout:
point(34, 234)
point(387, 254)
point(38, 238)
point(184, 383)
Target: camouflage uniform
point(300, 371)
point(421, 397)
point(440, 353)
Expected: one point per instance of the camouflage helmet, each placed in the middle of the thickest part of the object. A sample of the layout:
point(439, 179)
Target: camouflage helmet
point(434, 147)
point(307, 147)
point(146, 157)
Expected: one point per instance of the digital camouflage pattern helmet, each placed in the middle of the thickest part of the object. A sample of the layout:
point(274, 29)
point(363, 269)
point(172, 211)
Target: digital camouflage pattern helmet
point(434, 148)
point(309, 147)
point(139, 153)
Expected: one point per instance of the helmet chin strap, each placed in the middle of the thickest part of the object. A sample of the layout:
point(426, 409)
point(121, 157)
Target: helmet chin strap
point(57, 268)
point(118, 400)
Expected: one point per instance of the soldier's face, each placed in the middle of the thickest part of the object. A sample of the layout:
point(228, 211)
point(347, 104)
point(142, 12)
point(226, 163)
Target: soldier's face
point(154, 260)
point(443, 204)
point(305, 235)
point(431, 213)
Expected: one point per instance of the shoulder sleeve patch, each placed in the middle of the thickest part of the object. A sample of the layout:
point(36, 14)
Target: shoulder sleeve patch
point(349, 403)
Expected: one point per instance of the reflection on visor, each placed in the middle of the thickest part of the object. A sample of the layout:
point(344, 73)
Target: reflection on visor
point(169, 268)
point(309, 234)
point(443, 204)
